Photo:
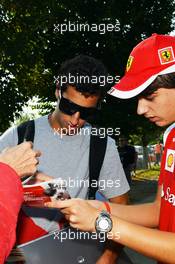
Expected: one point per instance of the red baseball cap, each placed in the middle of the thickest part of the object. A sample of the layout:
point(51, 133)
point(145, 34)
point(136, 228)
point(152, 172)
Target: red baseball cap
point(152, 57)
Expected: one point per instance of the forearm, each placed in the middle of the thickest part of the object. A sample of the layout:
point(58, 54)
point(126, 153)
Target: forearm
point(144, 214)
point(149, 242)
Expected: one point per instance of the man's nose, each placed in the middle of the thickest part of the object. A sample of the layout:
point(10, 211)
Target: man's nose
point(142, 106)
point(75, 118)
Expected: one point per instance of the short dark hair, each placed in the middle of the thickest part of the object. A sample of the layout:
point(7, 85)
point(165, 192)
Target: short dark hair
point(84, 65)
point(162, 81)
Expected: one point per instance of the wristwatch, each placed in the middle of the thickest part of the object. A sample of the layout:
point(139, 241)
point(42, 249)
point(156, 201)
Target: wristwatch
point(103, 223)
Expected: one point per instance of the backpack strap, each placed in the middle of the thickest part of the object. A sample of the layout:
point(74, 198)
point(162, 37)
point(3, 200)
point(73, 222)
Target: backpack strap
point(96, 157)
point(26, 131)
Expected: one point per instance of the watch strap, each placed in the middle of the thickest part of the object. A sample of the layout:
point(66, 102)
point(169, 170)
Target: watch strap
point(108, 208)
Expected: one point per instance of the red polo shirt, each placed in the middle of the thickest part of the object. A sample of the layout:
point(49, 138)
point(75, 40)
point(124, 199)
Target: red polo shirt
point(167, 180)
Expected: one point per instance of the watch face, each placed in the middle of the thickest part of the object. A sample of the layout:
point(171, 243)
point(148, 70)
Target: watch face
point(103, 224)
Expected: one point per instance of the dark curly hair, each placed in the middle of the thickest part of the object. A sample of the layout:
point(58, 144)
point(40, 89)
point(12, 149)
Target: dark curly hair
point(87, 66)
point(162, 81)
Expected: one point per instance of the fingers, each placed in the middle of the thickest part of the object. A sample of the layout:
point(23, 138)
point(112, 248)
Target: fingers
point(58, 204)
point(26, 145)
point(66, 204)
point(31, 161)
point(67, 207)
point(23, 147)
point(28, 159)
point(27, 153)
point(22, 158)
point(38, 153)
point(78, 212)
point(70, 212)
point(28, 170)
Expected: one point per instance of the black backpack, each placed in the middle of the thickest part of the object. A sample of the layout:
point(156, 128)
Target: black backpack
point(26, 131)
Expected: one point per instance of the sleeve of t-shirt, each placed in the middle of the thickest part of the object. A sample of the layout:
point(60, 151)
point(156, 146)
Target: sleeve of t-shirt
point(11, 197)
point(112, 179)
point(165, 136)
point(9, 138)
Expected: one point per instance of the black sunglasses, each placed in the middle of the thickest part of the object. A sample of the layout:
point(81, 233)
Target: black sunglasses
point(86, 113)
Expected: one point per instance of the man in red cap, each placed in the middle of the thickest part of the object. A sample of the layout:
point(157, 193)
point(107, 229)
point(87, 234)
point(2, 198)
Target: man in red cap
point(147, 228)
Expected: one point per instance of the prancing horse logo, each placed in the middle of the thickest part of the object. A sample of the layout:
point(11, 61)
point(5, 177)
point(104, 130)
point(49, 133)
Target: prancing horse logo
point(129, 63)
point(166, 55)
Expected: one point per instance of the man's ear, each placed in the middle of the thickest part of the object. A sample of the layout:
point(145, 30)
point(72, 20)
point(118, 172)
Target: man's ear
point(58, 93)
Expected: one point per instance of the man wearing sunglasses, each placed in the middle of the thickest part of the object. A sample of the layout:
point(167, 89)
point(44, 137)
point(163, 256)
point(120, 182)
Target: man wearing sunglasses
point(71, 116)
point(65, 147)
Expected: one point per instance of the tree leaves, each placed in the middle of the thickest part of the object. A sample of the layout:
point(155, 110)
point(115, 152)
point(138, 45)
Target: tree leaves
point(31, 51)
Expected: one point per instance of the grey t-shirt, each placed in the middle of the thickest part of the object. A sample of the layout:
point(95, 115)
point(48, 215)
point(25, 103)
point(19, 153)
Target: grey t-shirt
point(67, 157)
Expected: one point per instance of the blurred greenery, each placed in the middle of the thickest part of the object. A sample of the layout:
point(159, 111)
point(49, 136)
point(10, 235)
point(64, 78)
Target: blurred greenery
point(36, 108)
point(150, 174)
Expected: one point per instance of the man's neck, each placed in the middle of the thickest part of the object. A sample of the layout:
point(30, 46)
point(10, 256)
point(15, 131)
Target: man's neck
point(53, 121)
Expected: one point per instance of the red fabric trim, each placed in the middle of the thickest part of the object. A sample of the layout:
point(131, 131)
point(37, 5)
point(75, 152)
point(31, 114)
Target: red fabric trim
point(27, 230)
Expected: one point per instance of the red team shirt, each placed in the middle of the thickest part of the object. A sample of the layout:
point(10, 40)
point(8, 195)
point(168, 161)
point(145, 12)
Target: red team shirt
point(167, 180)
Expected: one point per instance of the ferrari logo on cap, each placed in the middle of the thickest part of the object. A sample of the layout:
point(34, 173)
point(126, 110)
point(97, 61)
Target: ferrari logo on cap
point(170, 160)
point(166, 55)
point(129, 63)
